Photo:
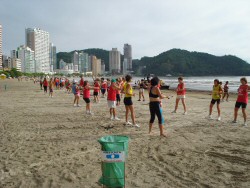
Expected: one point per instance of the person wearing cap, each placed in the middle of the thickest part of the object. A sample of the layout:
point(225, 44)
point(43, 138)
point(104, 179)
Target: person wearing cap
point(112, 99)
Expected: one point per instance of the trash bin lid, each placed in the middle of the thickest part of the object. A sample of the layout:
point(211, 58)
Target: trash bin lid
point(113, 139)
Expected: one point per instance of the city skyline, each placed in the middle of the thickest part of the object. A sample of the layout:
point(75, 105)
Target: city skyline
point(152, 27)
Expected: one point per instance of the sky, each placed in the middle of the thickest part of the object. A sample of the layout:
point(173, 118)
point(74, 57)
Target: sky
point(218, 27)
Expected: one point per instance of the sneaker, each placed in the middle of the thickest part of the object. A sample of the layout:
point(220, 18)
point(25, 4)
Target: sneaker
point(234, 121)
point(137, 126)
point(245, 124)
point(112, 118)
point(219, 118)
point(174, 112)
point(139, 100)
point(117, 119)
point(209, 117)
point(185, 113)
point(74, 105)
point(78, 105)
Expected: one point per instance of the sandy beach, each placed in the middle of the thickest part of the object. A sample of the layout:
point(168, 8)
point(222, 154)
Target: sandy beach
point(46, 142)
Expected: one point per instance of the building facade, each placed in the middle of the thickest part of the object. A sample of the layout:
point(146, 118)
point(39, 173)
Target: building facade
point(125, 66)
point(1, 51)
point(27, 57)
point(114, 61)
point(16, 63)
point(38, 41)
point(128, 55)
point(83, 62)
point(52, 57)
point(96, 66)
point(75, 61)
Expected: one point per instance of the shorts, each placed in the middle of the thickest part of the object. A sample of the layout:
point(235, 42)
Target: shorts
point(45, 88)
point(118, 97)
point(240, 104)
point(180, 96)
point(128, 101)
point(213, 101)
point(111, 104)
point(96, 93)
point(77, 94)
point(141, 90)
point(155, 109)
point(51, 90)
point(103, 91)
point(87, 100)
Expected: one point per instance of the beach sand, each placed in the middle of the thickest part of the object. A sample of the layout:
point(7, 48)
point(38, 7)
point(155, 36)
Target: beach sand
point(46, 142)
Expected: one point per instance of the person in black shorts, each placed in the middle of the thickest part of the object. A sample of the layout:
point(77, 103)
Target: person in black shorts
point(128, 90)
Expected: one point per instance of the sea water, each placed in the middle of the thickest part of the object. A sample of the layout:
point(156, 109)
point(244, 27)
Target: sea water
point(199, 83)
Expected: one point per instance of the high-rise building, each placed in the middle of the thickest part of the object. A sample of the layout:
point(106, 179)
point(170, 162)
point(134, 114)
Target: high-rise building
point(75, 61)
point(96, 66)
point(13, 54)
point(27, 57)
point(103, 68)
point(1, 52)
point(114, 61)
point(16, 63)
point(125, 66)
point(83, 62)
point(90, 63)
point(62, 64)
point(52, 57)
point(128, 55)
point(38, 41)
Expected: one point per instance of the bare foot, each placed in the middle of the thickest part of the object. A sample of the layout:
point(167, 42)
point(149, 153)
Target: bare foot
point(163, 135)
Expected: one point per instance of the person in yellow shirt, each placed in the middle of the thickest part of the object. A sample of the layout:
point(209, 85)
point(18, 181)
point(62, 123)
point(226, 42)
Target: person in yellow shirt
point(128, 91)
point(216, 97)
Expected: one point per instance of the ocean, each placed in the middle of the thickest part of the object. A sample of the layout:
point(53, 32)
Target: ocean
point(199, 83)
point(203, 83)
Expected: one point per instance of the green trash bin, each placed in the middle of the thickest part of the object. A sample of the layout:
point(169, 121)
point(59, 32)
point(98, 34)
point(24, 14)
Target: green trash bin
point(114, 154)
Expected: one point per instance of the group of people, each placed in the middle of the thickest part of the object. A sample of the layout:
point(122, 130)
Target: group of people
point(218, 95)
point(115, 89)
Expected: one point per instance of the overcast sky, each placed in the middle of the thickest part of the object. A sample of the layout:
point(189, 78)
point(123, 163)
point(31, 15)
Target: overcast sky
point(218, 27)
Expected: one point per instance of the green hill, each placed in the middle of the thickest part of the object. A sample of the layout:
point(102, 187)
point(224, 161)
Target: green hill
point(182, 62)
point(176, 62)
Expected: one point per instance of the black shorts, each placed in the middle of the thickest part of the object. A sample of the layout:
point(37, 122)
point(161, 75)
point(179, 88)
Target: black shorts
point(87, 100)
point(96, 93)
point(118, 97)
point(103, 91)
point(240, 104)
point(45, 88)
point(128, 101)
point(213, 101)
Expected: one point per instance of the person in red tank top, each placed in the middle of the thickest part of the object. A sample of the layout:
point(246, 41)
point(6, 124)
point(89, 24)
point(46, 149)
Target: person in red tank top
point(242, 100)
point(181, 95)
point(45, 85)
point(103, 87)
point(112, 99)
point(81, 82)
point(96, 90)
point(86, 96)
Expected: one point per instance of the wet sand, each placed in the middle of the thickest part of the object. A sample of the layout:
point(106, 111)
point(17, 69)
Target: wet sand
point(46, 142)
